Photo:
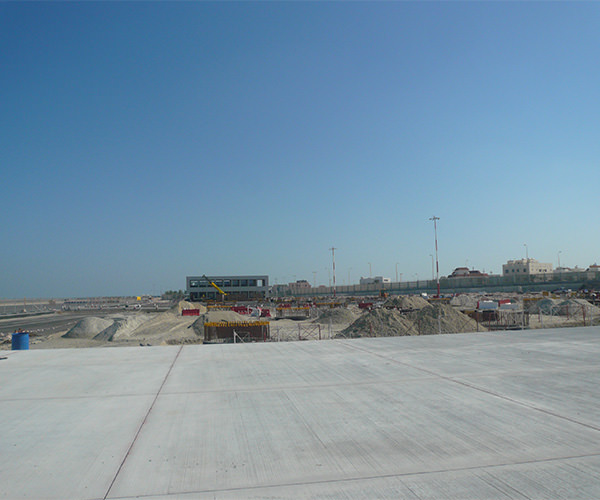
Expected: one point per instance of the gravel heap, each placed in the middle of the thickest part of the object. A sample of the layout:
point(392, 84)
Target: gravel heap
point(189, 305)
point(383, 322)
point(335, 316)
point(217, 317)
point(88, 328)
point(406, 302)
point(569, 307)
point(122, 327)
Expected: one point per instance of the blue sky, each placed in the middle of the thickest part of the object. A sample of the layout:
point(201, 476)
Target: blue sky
point(144, 142)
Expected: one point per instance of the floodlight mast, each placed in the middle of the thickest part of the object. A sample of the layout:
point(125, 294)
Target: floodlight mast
point(437, 265)
point(333, 249)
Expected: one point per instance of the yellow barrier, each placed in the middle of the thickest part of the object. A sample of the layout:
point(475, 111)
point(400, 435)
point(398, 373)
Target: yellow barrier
point(237, 323)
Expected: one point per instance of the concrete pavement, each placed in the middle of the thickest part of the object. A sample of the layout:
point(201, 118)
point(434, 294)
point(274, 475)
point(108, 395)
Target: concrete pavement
point(508, 415)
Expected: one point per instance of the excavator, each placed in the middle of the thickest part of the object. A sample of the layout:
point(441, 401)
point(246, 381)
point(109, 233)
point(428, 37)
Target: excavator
point(213, 284)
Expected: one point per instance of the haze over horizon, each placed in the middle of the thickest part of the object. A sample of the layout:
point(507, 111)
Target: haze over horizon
point(144, 142)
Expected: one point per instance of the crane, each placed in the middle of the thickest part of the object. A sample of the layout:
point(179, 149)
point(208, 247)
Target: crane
point(212, 283)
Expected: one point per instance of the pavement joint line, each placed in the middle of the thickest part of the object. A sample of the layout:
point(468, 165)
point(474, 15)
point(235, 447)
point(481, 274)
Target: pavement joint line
point(491, 482)
point(363, 478)
point(482, 389)
point(143, 423)
point(67, 398)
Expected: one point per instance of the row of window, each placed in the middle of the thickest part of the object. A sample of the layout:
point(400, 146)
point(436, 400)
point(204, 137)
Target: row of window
point(506, 271)
point(226, 283)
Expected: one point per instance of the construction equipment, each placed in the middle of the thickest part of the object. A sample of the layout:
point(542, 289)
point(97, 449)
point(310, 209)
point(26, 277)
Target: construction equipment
point(213, 284)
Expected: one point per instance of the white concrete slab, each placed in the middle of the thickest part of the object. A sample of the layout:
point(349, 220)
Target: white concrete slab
point(502, 415)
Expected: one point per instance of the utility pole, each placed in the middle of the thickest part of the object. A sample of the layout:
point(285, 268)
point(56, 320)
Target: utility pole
point(435, 219)
point(333, 249)
point(432, 274)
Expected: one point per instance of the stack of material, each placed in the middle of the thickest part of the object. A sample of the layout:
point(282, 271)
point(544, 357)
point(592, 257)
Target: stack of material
point(427, 320)
point(336, 316)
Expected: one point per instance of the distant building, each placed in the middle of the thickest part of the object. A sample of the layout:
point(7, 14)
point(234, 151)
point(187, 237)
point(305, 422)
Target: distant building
point(299, 286)
point(465, 272)
point(525, 267)
point(236, 287)
point(377, 280)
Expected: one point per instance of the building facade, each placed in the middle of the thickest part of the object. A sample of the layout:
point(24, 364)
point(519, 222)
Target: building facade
point(377, 280)
point(526, 267)
point(255, 287)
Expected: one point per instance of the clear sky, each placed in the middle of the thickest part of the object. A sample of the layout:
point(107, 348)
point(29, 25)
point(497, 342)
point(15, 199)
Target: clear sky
point(144, 142)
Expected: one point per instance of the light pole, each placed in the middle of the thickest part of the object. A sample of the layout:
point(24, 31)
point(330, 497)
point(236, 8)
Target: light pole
point(315, 279)
point(397, 271)
point(370, 275)
point(349, 269)
point(333, 249)
point(432, 275)
point(559, 252)
point(435, 219)
point(526, 251)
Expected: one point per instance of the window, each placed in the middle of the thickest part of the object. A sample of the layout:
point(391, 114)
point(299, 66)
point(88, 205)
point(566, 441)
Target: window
point(251, 282)
point(243, 282)
point(235, 282)
point(194, 284)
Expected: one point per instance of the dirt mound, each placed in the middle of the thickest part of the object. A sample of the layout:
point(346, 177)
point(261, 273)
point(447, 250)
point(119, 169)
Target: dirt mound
point(406, 302)
point(465, 301)
point(578, 308)
point(188, 305)
point(380, 323)
point(122, 327)
point(425, 321)
point(218, 317)
point(88, 328)
point(335, 316)
point(443, 318)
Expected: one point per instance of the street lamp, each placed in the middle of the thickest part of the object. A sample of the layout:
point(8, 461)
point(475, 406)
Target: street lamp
point(559, 252)
point(526, 251)
point(432, 275)
point(435, 219)
point(333, 249)
point(397, 271)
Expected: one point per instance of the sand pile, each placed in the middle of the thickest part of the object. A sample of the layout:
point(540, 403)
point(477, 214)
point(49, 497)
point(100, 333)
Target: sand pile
point(336, 316)
point(444, 318)
point(188, 305)
point(122, 327)
point(406, 302)
point(427, 320)
point(545, 306)
point(576, 307)
point(88, 328)
point(465, 301)
point(380, 323)
point(218, 317)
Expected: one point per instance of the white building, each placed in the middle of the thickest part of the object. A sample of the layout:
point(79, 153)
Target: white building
point(525, 267)
point(377, 280)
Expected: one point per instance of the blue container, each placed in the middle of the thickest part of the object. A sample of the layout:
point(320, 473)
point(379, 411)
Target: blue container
point(20, 341)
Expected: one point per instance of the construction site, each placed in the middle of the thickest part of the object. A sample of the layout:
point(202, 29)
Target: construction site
point(486, 396)
point(221, 320)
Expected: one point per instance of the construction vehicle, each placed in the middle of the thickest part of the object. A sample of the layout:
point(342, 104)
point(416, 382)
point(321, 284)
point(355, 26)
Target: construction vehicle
point(213, 284)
